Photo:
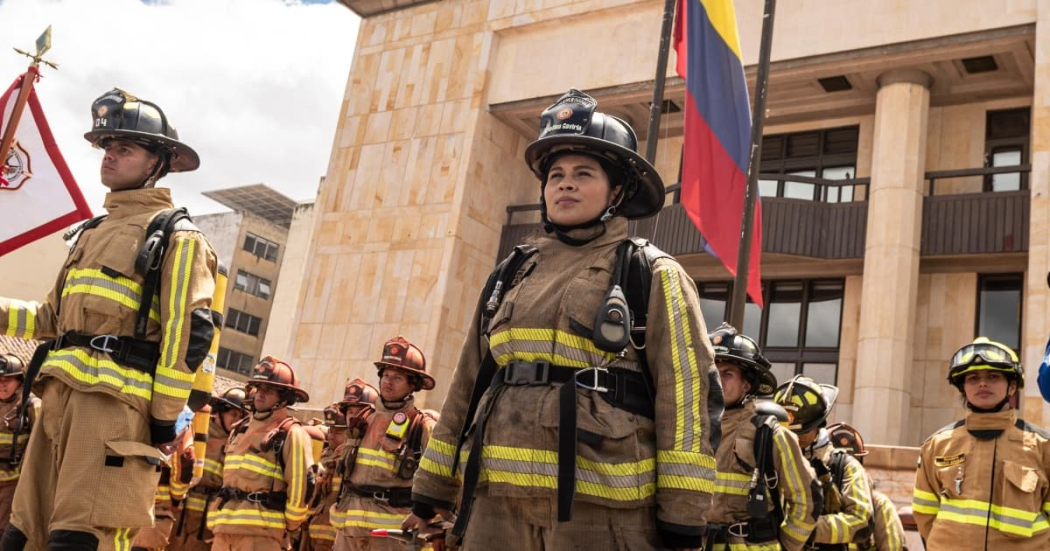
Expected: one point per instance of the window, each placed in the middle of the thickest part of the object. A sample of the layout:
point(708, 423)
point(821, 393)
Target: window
point(252, 284)
point(1006, 144)
point(799, 329)
point(235, 361)
point(245, 323)
point(830, 154)
point(999, 308)
point(260, 247)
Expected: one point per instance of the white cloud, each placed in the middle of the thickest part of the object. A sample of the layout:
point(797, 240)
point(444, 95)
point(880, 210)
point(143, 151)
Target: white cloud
point(255, 86)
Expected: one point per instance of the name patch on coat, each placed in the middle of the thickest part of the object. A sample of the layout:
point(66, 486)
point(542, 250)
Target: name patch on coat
point(949, 460)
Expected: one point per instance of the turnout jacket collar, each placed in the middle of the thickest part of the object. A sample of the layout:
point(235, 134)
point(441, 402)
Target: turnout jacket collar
point(120, 204)
point(615, 232)
point(990, 425)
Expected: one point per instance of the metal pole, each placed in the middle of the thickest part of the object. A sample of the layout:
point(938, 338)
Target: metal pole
point(743, 258)
point(647, 228)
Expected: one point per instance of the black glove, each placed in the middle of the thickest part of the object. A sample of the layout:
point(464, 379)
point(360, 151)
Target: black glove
point(161, 432)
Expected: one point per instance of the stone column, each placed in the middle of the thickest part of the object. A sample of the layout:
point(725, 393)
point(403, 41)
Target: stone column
point(891, 257)
point(1036, 317)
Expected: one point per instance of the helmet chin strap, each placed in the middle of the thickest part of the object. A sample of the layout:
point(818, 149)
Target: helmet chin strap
point(562, 231)
point(994, 409)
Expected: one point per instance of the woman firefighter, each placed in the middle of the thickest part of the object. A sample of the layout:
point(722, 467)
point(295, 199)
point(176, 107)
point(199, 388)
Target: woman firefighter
point(982, 483)
point(582, 393)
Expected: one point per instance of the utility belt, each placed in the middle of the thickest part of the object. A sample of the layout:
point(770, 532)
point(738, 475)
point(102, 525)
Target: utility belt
point(751, 530)
point(622, 388)
point(137, 354)
point(275, 501)
point(394, 497)
point(207, 492)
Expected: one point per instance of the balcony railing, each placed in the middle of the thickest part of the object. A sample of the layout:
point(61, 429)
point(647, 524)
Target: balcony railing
point(970, 223)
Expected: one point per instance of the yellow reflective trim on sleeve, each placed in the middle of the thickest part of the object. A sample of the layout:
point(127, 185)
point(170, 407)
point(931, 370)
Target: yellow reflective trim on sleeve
point(295, 508)
point(171, 344)
point(212, 466)
point(687, 433)
point(21, 320)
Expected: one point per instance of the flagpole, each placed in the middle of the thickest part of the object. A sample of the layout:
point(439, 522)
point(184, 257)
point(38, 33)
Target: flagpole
point(648, 227)
point(743, 257)
point(43, 44)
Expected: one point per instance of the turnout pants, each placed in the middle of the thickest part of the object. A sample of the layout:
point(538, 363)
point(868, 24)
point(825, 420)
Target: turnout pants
point(7, 496)
point(186, 539)
point(231, 542)
point(86, 470)
point(531, 524)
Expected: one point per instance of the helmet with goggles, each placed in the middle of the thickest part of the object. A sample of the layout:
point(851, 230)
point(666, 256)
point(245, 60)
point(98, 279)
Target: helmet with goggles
point(741, 350)
point(984, 354)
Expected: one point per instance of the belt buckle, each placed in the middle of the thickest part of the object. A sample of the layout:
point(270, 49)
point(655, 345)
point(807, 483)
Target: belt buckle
point(254, 497)
point(740, 530)
point(527, 373)
point(596, 386)
point(106, 340)
point(378, 496)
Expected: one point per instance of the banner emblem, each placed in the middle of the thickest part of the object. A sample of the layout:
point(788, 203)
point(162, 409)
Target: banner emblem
point(17, 168)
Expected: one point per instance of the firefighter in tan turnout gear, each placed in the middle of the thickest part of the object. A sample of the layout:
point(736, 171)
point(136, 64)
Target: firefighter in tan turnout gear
point(764, 496)
point(377, 479)
point(191, 532)
point(266, 477)
point(887, 529)
point(583, 390)
point(12, 445)
point(175, 479)
point(982, 482)
point(127, 324)
point(847, 505)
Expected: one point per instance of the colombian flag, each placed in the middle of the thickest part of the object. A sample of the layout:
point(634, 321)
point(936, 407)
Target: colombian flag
point(717, 131)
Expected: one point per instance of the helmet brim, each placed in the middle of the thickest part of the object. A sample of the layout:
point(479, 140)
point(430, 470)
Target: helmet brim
point(765, 381)
point(647, 200)
point(301, 395)
point(428, 381)
point(184, 158)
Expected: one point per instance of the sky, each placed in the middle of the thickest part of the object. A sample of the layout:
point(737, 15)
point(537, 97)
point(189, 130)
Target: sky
point(254, 86)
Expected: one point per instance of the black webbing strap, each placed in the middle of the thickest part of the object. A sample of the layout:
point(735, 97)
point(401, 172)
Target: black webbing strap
point(32, 370)
point(134, 353)
point(150, 260)
point(621, 388)
point(756, 499)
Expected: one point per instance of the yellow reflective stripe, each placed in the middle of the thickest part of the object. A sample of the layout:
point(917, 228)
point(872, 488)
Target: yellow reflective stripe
point(684, 470)
point(551, 345)
point(1046, 507)
point(1004, 519)
point(797, 524)
point(368, 519)
point(176, 313)
point(925, 502)
point(212, 466)
point(376, 458)
point(7, 476)
point(687, 433)
point(437, 458)
point(173, 382)
point(246, 517)
point(122, 539)
point(195, 503)
point(6, 438)
point(21, 320)
point(527, 467)
point(733, 484)
point(122, 290)
point(295, 508)
point(253, 463)
point(88, 369)
point(322, 531)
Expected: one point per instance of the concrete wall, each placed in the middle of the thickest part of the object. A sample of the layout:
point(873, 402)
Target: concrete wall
point(285, 301)
point(223, 230)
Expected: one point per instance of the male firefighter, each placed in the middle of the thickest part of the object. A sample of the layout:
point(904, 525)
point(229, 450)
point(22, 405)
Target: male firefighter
point(266, 480)
point(12, 377)
point(764, 488)
point(321, 534)
point(847, 494)
point(127, 323)
point(887, 529)
point(191, 531)
point(377, 480)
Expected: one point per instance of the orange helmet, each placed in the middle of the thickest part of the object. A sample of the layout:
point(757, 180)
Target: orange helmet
point(273, 372)
point(847, 438)
point(406, 357)
point(359, 393)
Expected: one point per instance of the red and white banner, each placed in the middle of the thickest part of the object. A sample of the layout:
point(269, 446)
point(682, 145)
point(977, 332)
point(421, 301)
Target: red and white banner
point(38, 195)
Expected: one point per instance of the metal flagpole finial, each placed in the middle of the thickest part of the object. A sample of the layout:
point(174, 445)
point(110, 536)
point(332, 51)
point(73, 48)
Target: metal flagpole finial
point(43, 44)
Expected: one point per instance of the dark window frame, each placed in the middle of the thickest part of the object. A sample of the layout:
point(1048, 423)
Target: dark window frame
point(242, 363)
point(779, 161)
point(252, 284)
point(234, 320)
point(802, 353)
point(252, 242)
point(981, 279)
point(997, 144)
